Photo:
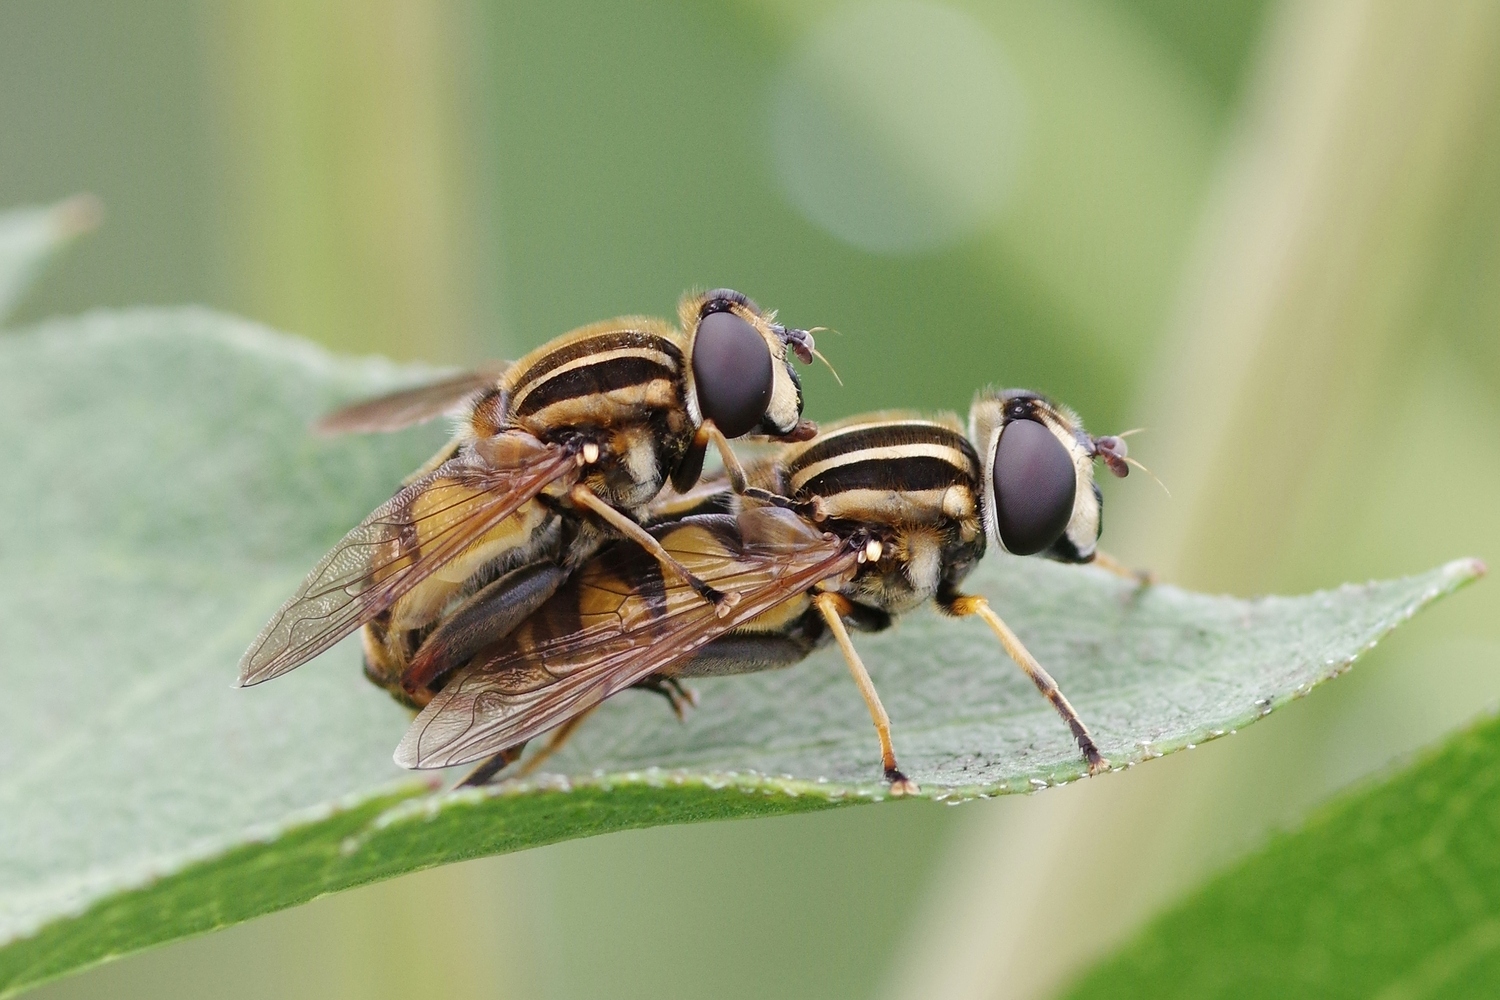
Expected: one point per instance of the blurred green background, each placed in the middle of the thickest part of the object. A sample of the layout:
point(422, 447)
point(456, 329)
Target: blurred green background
point(1268, 232)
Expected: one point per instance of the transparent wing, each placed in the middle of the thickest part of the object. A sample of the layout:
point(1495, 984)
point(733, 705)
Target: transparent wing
point(416, 532)
point(616, 622)
point(410, 407)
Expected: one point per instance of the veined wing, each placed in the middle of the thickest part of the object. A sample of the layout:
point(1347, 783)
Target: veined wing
point(409, 537)
point(409, 407)
point(617, 621)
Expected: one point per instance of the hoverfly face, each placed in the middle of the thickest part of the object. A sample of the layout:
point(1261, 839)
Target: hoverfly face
point(741, 373)
point(1038, 481)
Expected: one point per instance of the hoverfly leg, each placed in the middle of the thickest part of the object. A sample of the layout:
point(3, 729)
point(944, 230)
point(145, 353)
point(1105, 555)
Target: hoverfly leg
point(679, 697)
point(961, 606)
point(690, 466)
point(732, 467)
point(813, 509)
point(831, 606)
point(740, 483)
point(584, 497)
point(488, 616)
point(485, 772)
point(554, 743)
point(1140, 577)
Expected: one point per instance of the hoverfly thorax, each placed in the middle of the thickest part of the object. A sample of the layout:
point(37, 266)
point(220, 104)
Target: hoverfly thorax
point(740, 373)
point(907, 482)
point(1038, 491)
point(612, 390)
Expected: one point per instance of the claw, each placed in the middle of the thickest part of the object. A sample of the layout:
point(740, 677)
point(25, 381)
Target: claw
point(900, 784)
point(726, 602)
point(1097, 763)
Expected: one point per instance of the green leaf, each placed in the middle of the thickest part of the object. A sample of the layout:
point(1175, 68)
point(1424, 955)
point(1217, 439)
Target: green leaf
point(29, 237)
point(161, 495)
point(1391, 893)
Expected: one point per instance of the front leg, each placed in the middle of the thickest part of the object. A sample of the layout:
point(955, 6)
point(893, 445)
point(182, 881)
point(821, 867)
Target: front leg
point(962, 605)
point(1107, 562)
point(691, 467)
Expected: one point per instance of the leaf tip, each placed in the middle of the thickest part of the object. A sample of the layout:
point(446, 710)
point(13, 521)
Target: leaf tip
point(77, 215)
point(1466, 570)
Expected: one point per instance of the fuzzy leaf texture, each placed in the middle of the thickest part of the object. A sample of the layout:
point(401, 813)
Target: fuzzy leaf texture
point(160, 495)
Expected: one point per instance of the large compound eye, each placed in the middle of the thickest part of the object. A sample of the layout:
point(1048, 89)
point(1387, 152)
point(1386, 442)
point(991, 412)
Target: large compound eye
point(1034, 485)
point(732, 369)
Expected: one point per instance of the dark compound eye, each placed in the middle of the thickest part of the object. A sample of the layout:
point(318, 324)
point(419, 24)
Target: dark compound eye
point(1034, 487)
point(732, 369)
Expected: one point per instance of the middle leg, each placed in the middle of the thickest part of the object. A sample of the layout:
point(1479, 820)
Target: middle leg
point(830, 605)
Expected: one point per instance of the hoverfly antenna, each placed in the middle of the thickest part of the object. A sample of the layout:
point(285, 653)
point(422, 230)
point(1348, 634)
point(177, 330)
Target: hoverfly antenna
point(800, 341)
point(1142, 467)
point(1112, 451)
point(829, 365)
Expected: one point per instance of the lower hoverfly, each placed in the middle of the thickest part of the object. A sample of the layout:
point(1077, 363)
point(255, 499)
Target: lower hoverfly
point(881, 514)
point(561, 451)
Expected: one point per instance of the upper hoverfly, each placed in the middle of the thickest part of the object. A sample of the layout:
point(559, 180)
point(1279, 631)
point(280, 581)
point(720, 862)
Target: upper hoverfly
point(880, 514)
point(564, 449)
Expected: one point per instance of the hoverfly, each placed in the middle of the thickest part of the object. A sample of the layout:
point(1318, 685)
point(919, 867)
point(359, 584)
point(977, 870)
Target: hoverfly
point(564, 449)
point(874, 516)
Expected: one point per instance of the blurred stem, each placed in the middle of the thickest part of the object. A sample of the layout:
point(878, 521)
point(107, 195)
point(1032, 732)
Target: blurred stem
point(347, 172)
point(1305, 302)
point(1317, 284)
point(353, 213)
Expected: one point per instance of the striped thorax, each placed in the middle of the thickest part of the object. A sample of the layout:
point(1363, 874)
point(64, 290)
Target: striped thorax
point(911, 483)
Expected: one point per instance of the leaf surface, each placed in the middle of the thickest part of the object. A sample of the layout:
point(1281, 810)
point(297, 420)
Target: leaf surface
point(161, 495)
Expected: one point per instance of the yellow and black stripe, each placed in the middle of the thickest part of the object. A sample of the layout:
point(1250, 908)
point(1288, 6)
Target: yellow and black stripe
point(619, 364)
point(885, 467)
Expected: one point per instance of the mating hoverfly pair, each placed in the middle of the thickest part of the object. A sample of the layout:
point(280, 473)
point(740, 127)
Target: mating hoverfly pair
point(535, 566)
